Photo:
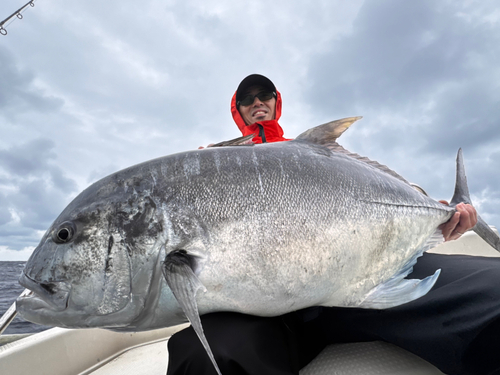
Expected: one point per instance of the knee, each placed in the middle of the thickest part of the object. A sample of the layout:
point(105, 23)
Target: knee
point(239, 343)
point(225, 340)
point(185, 345)
point(188, 356)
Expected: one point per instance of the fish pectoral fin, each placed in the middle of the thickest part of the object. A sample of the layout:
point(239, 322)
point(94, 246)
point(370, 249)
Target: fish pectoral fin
point(397, 291)
point(178, 272)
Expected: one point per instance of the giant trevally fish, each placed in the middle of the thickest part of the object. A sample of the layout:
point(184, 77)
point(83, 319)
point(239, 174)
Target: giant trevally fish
point(262, 229)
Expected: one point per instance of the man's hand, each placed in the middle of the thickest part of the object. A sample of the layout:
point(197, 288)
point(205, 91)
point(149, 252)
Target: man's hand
point(464, 219)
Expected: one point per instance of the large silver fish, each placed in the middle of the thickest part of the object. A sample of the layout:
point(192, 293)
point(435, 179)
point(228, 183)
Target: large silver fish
point(263, 229)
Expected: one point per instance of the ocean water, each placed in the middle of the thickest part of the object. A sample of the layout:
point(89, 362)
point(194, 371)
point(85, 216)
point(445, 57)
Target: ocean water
point(9, 291)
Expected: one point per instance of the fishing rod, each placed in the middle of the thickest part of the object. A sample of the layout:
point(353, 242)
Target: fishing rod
point(17, 14)
point(11, 313)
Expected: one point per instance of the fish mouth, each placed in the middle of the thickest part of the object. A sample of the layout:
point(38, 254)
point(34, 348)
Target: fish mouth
point(52, 295)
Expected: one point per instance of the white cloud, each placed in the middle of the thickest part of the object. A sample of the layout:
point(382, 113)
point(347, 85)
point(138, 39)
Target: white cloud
point(7, 254)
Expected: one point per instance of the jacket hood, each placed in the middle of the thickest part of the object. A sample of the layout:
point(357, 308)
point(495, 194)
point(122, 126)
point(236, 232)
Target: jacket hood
point(272, 130)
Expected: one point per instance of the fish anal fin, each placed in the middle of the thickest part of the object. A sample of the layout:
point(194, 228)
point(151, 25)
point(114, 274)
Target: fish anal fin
point(396, 292)
point(329, 132)
point(178, 272)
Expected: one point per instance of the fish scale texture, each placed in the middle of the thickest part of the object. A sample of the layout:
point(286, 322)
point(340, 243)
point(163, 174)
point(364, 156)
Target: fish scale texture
point(269, 229)
point(296, 204)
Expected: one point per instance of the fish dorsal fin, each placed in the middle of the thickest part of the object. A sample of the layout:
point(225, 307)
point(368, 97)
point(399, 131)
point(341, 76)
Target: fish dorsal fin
point(183, 282)
point(398, 290)
point(240, 141)
point(329, 132)
point(335, 147)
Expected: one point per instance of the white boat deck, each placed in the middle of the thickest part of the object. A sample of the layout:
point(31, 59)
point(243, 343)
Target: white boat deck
point(369, 358)
point(99, 352)
point(148, 359)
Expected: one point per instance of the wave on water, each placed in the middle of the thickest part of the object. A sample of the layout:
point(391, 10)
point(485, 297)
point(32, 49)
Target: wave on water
point(10, 289)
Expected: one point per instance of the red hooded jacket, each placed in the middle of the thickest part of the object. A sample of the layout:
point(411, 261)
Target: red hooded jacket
point(270, 129)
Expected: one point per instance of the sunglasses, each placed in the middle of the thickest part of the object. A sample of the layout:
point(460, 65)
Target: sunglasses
point(262, 96)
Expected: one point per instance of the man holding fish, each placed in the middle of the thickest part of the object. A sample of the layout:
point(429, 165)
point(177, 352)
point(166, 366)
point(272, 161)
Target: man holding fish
point(454, 326)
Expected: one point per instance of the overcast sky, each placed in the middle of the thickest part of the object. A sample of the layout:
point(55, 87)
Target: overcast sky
point(91, 87)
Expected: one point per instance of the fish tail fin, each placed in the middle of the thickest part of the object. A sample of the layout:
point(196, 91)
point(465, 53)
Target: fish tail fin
point(462, 195)
point(486, 233)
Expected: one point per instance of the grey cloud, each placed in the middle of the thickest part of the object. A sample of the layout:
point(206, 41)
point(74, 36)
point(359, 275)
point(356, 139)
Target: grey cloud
point(5, 215)
point(60, 181)
point(36, 190)
point(28, 158)
point(402, 55)
point(36, 159)
point(468, 117)
point(17, 92)
point(38, 204)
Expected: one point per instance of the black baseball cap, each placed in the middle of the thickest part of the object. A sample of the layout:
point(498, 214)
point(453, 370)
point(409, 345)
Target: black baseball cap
point(254, 80)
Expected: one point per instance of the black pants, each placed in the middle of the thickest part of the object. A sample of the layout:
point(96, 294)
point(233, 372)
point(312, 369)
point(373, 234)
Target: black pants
point(455, 327)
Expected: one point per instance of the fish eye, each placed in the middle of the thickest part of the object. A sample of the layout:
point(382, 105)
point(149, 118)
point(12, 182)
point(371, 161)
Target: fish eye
point(64, 233)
